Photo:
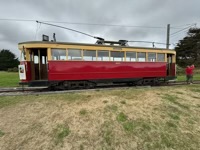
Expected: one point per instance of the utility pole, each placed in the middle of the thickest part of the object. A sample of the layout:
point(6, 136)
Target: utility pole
point(168, 32)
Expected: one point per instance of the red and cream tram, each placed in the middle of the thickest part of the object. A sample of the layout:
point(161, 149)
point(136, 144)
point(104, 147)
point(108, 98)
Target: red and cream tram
point(68, 65)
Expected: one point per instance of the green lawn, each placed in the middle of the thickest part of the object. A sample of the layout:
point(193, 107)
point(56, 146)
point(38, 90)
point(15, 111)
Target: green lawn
point(9, 79)
point(183, 77)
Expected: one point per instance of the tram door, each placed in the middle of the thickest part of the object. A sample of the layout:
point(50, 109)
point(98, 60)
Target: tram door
point(39, 64)
point(169, 65)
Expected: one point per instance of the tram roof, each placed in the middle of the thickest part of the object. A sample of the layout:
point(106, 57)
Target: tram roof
point(88, 44)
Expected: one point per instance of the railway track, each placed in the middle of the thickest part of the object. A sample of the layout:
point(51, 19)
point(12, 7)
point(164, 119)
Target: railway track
point(21, 91)
point(44, 90)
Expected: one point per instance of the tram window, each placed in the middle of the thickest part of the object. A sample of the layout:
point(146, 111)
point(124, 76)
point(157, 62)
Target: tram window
point(141, 56)
point(169, 59)
point(117, 56)
point(151, 57)
point(44, 60)
point(130, 56)
point(161, 57)
point(103, 56)
point(74, 54)
point(23, 55)
point(36, 61)
point(89, 55)
point(58, 54)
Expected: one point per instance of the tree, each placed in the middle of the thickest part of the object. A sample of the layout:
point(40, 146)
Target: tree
point(7, 60)
point(188, 49)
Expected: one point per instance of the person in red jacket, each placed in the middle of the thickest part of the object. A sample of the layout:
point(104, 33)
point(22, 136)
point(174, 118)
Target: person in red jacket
point(189, 74)
point(192, 68)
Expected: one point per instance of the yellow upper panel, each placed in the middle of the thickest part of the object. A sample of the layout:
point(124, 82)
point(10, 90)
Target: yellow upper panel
point(41, 44)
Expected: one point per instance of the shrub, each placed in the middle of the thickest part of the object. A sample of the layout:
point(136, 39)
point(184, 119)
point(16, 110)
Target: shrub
point(15, 69)
point(180, 70)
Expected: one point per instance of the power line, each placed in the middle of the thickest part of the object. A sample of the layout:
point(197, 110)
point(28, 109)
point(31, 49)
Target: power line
point(66, 28)
point(153, 43)
point(90, 24)
point(92, 35)
point(113, 25)
point(148, 42)
point(78, 23)
point(183, 25)
point(182, 29)
point(17, 20)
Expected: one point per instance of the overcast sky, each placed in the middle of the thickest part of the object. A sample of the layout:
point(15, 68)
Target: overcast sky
point(144, 20)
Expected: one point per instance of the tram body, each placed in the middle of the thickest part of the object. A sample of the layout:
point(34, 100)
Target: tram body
point(66, 65)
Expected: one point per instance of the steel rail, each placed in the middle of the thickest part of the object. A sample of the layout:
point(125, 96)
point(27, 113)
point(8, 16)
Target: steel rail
point(45, 91)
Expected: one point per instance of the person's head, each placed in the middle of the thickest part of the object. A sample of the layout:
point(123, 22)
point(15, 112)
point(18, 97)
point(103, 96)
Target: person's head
point(188, 66)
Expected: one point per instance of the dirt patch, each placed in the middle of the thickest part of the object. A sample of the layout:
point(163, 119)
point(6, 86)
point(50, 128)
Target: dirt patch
point(143, 105)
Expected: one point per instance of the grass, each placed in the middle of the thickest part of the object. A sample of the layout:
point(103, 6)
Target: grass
point(112, 108)
point(171, 124)
point(153, 118)
point(128, 126)
point(174, 116)
point(183, 77)
point(121, 117)
point(136, 126)
point(175, 100)
point(123, 102)
point(60, 132)
point(196, 90)
point(107, 134)
point(9, 101)
point(68, 98)
point(83, 112)
point(9, 79)
point(1, 133)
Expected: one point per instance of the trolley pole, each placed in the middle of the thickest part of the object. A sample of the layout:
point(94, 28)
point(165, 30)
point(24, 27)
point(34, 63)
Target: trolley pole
point(168, 32)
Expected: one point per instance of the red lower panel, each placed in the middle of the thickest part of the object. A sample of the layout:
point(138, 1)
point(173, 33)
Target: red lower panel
point(85, 70)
